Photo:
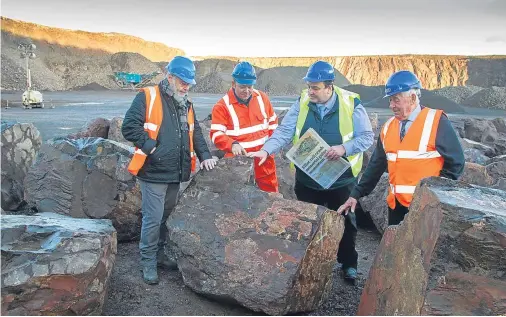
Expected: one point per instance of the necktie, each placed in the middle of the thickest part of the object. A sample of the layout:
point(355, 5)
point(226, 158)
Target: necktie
point(403, 128)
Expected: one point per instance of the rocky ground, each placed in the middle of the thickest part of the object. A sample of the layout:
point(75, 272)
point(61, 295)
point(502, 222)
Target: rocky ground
point(128, 295)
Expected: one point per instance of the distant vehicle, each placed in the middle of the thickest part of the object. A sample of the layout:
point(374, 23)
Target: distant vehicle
point(133, 80)
point(30, 98)
point(34, 101)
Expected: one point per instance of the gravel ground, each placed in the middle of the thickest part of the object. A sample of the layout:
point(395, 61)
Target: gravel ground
point(491, 98)
point(128, 295)
point(457, 93)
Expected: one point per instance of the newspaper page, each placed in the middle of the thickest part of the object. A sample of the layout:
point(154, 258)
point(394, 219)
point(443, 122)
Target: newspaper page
point(308, 154)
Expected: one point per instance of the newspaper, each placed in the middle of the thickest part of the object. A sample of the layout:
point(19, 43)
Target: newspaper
point(308, 154)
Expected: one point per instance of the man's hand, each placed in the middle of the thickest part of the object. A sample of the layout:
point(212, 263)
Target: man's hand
point(208, 164)
point(262, 155)
point(237, 149)
point(335, 152)
point(351, 203)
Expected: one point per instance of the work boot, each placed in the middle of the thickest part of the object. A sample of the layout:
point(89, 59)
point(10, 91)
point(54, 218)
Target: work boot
point(165, 261)
point(350, 275)
point(150, 275)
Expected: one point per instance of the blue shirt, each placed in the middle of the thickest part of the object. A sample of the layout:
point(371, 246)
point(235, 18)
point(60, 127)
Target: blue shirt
point(412, 117)
point(363, 136)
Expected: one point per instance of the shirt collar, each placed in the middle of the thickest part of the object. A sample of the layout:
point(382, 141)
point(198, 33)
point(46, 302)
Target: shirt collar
point(415, 113)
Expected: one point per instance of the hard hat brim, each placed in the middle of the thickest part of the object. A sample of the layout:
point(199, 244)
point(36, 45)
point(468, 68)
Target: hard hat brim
point(245, 81)
point(186, 80)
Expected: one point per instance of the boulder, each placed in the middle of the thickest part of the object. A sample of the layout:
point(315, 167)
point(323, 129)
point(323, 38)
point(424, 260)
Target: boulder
point(236, 243)
point(20, 144)
point(492, 175)
point(375, 204)
point(86, 178)
point(286, 176)
point(115, 134)
point(55, 265)
point(488, 132)
point(475, 156)
point(500, 124)
point(97, 128)
point(496, 168)
point(483, 148)
point(476, 174)
point(480, 130)
point(495, 159)
point(446, 258)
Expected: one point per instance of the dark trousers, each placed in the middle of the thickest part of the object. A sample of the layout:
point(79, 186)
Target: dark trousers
point(158, 202)
point(395, 216)
point(333, 199)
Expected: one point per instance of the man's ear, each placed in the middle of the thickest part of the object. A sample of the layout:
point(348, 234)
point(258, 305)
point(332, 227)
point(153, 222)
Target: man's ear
point(413, 98)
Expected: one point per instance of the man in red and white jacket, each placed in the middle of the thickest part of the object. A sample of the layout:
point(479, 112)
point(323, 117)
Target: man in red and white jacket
point(243, 120)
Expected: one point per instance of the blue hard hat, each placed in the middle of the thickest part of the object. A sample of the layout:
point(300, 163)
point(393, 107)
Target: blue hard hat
point(244, 74)
point(400, 81)
point(183, 68)
point(320, 71)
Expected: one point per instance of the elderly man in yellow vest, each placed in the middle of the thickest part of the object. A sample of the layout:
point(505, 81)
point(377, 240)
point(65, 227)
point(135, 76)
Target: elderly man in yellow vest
point(339, 118)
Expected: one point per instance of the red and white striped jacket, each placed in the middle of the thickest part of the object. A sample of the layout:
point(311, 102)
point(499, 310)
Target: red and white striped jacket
point(249, 125)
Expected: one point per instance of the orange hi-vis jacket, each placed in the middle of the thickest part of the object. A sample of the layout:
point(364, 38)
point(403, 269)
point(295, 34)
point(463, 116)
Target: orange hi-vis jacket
point(413, 158)
point(249, 125)
point(153, 122)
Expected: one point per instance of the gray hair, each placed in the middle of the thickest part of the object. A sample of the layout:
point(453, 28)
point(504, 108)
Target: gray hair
point(415, 92)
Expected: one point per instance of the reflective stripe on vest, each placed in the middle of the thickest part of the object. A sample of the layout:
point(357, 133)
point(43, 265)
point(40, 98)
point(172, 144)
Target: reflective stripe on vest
point(237, 131)
point(154, 117)
point(412, 159)
point(346, 101)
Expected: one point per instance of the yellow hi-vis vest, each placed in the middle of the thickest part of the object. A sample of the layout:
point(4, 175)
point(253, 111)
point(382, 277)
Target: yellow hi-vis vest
point(346, 107)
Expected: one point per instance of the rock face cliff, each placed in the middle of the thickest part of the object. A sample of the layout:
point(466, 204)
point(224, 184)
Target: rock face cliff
point(107, 42)
point(433, 70)
point(69, 59)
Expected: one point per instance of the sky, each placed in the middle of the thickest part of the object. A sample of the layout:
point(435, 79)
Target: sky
point(284, 28)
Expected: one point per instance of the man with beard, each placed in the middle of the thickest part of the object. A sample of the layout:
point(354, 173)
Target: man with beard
point(162, 125)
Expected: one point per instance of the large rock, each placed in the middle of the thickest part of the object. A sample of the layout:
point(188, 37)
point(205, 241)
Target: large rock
point(500, 124)
point(20, 144)
point(55, 265)
point(375, 204)
point(86, 178)
point(496, 168)
point(480, 130)
point(237, 243)
point(447, 257)
point(492, 175)
point(96, 128)
point(475, 156)
point(114, 132)
point(489, 132)
point(468, 144)
point(286, 175)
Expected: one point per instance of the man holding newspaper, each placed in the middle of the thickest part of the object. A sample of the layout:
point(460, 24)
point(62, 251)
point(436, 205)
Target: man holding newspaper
point(338, 118)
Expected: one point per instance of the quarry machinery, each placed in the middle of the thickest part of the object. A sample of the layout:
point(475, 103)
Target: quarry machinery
point(134, 81)
point(30, 98)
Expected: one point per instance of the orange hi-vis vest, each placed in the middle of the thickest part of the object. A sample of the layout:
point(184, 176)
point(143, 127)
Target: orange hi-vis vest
point(413, 158)
point(153, 122)
point(249, 125)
